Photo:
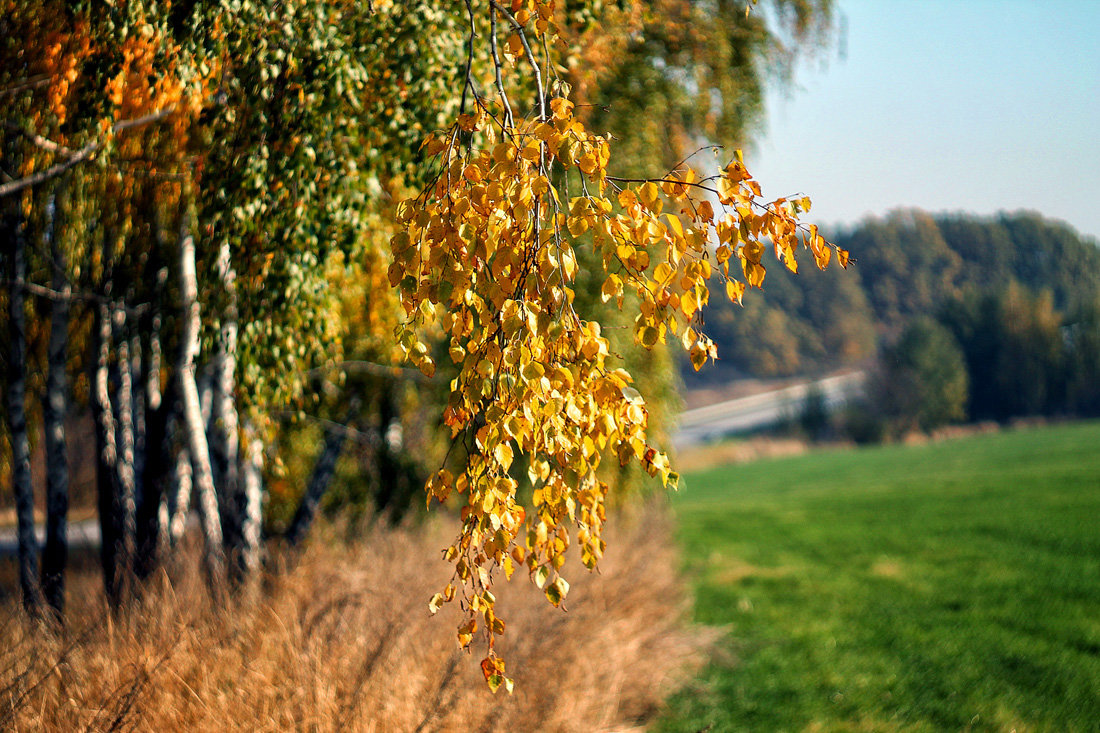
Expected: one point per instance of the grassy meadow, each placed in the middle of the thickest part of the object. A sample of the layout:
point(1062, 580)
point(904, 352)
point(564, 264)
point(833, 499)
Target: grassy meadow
point(949, 586)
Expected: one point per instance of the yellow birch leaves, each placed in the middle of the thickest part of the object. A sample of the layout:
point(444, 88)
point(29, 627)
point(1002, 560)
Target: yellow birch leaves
point(487, 260)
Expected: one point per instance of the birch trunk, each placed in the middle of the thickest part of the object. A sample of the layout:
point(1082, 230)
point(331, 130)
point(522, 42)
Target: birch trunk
point(17, 423)
point(203, 481)
point(152, 542)
point(124, 465)
point(248, 558)
point(56, 552)
point(140, 411)
point(224, 435)
point(106, 458)
point(177, 505)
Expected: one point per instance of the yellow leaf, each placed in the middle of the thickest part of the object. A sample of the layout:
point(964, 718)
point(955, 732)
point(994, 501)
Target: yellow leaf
point(698, 357)
point(557, 591)
point(754, 273)
point(472, 173)
point(705, 211)
point(734, 290)
point(577, 225)
point(688, 304)
point(675, 225)
point(504, 455)
point(612, 288)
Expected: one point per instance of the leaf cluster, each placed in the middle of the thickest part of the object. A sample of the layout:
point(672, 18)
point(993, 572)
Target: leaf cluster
point(487, 262)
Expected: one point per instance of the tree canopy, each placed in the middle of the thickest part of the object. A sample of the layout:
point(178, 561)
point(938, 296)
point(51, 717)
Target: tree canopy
point(911, 264)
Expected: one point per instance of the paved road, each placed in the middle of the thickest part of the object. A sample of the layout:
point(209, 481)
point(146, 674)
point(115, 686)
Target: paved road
point(709, 423)
point(84, 534)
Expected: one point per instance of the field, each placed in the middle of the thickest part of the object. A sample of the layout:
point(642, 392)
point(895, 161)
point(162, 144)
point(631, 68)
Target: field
point(950, 586)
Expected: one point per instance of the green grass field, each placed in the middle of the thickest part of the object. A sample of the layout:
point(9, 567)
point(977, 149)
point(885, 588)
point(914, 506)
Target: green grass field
point(953, 586)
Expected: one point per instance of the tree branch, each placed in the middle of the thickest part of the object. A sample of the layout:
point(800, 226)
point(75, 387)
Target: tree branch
point(79, 156)
point(530, 55)
point(72, 297)
point(38, 140)
point(33, 83)
point(374, 368)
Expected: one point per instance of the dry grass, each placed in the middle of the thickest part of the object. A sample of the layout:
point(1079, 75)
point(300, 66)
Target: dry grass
point(344, 641)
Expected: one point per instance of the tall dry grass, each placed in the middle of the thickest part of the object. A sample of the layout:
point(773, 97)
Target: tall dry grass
point(344, 641)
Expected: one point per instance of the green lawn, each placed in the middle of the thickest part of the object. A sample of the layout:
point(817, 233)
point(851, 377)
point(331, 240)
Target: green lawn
point(953, 586)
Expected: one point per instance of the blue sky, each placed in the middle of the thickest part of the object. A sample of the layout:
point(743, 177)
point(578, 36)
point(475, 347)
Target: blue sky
point(976, 106)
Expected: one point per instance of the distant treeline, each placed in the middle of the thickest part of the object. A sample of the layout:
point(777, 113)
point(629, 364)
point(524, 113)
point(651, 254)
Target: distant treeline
point(1005, 310)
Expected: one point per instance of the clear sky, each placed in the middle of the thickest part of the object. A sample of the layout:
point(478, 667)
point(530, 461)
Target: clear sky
point(944, 105)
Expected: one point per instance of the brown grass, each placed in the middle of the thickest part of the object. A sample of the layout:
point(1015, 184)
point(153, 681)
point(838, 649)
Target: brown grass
point(344, 641)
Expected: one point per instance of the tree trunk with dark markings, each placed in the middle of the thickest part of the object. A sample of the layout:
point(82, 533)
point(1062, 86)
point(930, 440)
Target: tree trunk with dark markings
point(56, 552)
point(17, 418)
point(206, 499)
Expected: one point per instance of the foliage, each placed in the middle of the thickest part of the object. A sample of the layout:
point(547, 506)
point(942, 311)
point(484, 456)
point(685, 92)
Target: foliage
point(938, 587)
point(664, 78)
point(813, 415)
point(1081, 330)
point(922, 382)
point(1014, 351)
point(910, 265)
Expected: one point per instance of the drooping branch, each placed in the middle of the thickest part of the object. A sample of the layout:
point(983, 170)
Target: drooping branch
point(535, 68)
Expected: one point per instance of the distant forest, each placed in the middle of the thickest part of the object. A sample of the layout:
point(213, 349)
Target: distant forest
point(908, 265)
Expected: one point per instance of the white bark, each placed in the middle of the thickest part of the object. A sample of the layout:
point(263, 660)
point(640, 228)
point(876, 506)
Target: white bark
point(251, 511)
point(224, 435)
point(203, 481)
point(124, 401)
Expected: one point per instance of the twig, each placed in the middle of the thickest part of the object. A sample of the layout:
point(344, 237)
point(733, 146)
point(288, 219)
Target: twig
point(496, 67)
point(530, 55)
point(369, 367)
point(350, 432)
point(469, 59)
